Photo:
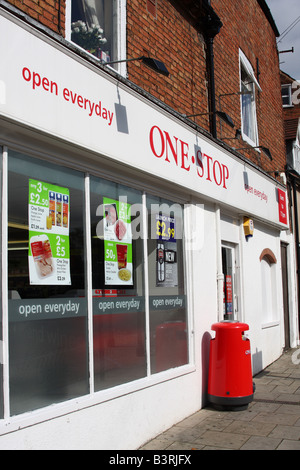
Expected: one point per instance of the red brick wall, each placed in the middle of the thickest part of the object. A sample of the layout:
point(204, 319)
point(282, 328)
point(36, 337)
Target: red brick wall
point(50, 13)
point(169, 37)
point(246, 27)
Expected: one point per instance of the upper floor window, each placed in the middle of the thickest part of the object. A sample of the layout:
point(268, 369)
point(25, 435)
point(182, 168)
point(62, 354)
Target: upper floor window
point(286, 94)
point(97, 26)
point(248, 106)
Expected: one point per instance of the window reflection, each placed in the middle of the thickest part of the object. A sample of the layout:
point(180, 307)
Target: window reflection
point(168, 309)
point(118, 303)
point(47, 339)
point(92, 26)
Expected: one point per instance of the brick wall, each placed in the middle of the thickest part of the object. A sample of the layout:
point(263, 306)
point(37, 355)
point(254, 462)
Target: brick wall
point(245, 26)
point(50, 13)
point(171, 38)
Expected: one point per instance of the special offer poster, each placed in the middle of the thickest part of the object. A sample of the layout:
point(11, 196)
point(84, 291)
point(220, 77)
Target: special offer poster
point(117, 242)
point(49, 222)
point(166, 251)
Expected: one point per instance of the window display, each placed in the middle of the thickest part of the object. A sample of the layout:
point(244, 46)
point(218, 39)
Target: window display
point(168, 313)
point(47, 316)
point(49, 286)
point(118, 284)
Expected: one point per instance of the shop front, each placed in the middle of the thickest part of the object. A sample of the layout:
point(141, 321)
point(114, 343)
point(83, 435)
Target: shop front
point(123, 240)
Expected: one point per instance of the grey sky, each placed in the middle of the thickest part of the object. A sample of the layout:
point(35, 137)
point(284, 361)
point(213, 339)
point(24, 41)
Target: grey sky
point(285, 13)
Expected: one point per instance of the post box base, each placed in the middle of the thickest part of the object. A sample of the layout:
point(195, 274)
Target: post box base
point(230, 403)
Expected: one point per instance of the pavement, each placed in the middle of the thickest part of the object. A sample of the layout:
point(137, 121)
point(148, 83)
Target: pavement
point(271, 421)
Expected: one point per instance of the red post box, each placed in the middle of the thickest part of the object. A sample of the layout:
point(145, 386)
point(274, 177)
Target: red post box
point(230, 384)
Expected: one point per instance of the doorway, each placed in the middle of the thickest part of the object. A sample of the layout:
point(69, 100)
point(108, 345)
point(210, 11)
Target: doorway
point(230, 291)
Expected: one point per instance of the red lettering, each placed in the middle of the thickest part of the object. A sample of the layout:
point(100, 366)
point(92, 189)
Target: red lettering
point(184, 154)
point(45, 84)
point(225, 173)
point(208, 159)
point(173, 150)
point(161, 142)
point(26, 74)
point(73, 96)
point(80, 101)
point(164, 145)
point(217, 181)
point(36, 80)
point(199, 163)
point(66, 94)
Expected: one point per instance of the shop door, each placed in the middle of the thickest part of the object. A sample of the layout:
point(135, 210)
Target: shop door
point(230, 297)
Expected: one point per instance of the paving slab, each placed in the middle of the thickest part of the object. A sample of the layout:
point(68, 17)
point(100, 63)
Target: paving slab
point(261, 443)
point(271, 421)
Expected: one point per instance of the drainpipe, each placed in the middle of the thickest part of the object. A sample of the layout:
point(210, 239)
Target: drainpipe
point(211, 25)
point(212, 92)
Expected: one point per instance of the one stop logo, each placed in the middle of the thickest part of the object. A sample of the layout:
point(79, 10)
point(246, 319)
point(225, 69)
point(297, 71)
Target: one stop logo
point(175, 150)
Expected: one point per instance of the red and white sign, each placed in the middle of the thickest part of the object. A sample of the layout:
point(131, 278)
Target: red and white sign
point(282, 206)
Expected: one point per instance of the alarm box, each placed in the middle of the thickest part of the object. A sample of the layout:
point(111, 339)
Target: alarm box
point(248, 227)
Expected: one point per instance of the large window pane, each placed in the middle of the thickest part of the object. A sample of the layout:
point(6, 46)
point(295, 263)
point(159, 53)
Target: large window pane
point(118, 284)
point(168, 310)
point(47, 301)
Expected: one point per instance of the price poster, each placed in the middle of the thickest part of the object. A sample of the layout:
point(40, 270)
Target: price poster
point(117, 242)
point(166, 251)
point(48, 223)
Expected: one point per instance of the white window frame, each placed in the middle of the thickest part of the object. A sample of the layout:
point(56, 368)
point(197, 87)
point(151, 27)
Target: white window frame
point(246, 65)
point(287, 87)
point(120, 44)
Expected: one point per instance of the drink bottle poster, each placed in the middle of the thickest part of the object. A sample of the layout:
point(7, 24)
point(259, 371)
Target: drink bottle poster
point(48, 224)
point(166, 251)
point(117, 242)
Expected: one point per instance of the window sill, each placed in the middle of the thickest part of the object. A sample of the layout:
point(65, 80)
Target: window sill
point(250, 142)
point(15, 423)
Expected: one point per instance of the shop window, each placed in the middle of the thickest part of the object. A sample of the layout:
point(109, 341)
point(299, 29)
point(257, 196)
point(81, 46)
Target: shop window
point(118, 284)
point(47, 308)
point(167, 295)
point(95, 26)
point(48, 311)
point(248, 105)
